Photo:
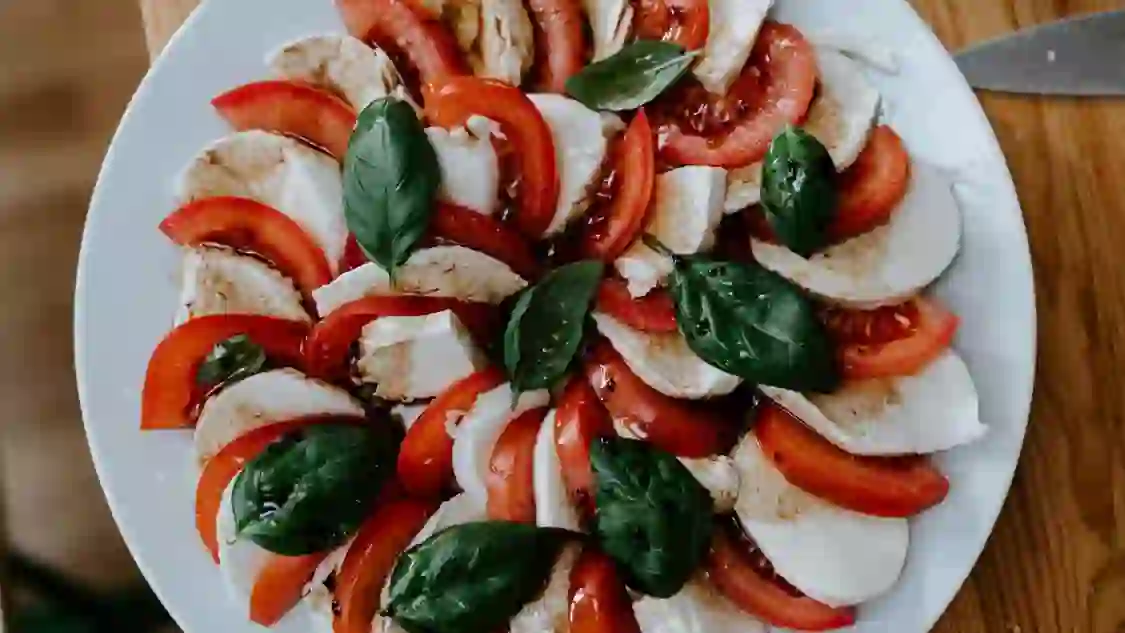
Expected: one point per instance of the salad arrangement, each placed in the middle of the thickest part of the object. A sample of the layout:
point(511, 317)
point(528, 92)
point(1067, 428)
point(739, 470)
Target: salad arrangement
point(560, 316)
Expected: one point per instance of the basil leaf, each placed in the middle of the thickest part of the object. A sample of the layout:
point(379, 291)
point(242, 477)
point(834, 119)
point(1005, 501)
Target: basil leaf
point(391, 179)
point(230, 361)
point(652, 516)
point(799, 190)
point(752, 323)
point(472, 578)
point(630, 78)
point(546, 325)
point(310, 491)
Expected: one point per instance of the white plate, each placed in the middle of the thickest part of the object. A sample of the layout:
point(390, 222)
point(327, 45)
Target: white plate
point(127, 292)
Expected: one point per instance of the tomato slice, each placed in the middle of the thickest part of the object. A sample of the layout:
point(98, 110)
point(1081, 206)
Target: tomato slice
point(280, 586)
point(371, 557)
point(509, 479)
point(685, 22)
point(653, 312)
point(611, 228)
point(559, 42)
point(872, 188)
point(453, 102)
point(878, 486)
point(775, 89)
point(293, 108)
point(353, 256)
point(482, 233)
point(425, 459)
point(248, 225)
point(891, 341)
point(329, 343)
point(598, 600)
point(170, 392)
point(407, 32)
point(683, 428)
point(753, 590)
point(579, 420)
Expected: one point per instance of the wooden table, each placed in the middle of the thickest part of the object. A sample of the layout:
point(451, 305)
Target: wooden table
point(1056, 562)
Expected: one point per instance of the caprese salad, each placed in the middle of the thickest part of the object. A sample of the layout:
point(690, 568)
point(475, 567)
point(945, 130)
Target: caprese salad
point(598, 316)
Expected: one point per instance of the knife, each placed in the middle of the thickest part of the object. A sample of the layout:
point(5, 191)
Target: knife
point(1083, 56)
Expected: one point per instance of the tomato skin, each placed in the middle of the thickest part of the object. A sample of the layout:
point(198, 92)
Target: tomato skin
point(509, 479)
point(280, 586)
point(579, 420)
point(353, 256)
point(683, 428)
point(170, 391)
point(611, 230)
point(653, 312)
point(454, 101)
point(872, 188)
point(598, 600)
point(876, 486)
point(685, 22)
point(290, 107)
point(248, 225)
point(482, 233)
point(920, 330)
point(372, 556)
point(735, 577)
point(559, 40)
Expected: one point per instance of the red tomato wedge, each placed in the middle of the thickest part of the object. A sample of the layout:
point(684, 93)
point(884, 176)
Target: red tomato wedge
point(482, 233)
point(407, 31)
point(747, 585)
point(653, 312)
point(685, 22)
point(613, 226)
point(328, 345)
point(280, 586)
point(598, 600)
point(775, 89)
point(872, 188)
point(579, 420)
point(509, 478)
point(453, 102)
point(170, 391)
point(371, 557)
point(353, 256)
point(681, 427)
point(293, 108)
point(559, 41)
point(891, 341)
point(425, 459)
point(248, 225)
point(877, 486)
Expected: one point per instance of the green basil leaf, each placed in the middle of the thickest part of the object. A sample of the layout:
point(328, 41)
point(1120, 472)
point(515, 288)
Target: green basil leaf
point(632, 77)
point(752, 323)
point(472, 578)
point(546, 325)
point(310, 491)
point(652, 516)
point(230, 361)
point(799, 190)
point(391, 179)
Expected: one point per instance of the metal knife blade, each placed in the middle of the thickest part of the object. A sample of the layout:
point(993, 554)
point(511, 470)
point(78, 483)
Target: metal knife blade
point(1082, 56)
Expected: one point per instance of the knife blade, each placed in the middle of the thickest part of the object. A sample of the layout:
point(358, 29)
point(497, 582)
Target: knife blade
point(1082, 56)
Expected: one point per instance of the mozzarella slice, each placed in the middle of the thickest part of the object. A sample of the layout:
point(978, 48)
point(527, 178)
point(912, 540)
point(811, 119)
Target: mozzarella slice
point(417, 357)
point(836, 556)
point(697, 608)
point(581, 140)
point(549, 612)
point(719, 476)
point(343, 64)
point(470, 169)
point(263, 399)
point(610, 24)
point(734, 27)
point(507, 43)
point(442, 271)
point(665, 362)
point(409, 413)
point(284, 173)
point(889, 264)
point(553, 507)
point(480, 429)
point(220, 281)
point(932, 411)
point(319, 598)
point(240, 560)
point(686, 210)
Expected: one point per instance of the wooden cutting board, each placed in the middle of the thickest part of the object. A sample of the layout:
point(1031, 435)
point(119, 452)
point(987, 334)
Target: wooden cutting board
point(1056, 562)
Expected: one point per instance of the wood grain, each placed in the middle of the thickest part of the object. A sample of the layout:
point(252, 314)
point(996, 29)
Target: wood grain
point(1056, 562)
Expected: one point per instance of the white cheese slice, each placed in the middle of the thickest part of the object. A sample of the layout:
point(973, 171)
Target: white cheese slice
point(220, 281)
point(697, 608)
point(470, 169)
point(611, 21)
point(553, 507)
point(687, 208)
point(507, 42)
point(343, 64)
point(409, 413)
point(549, 612)
point(734, 26)
point(241, 561)
point(417, 357)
